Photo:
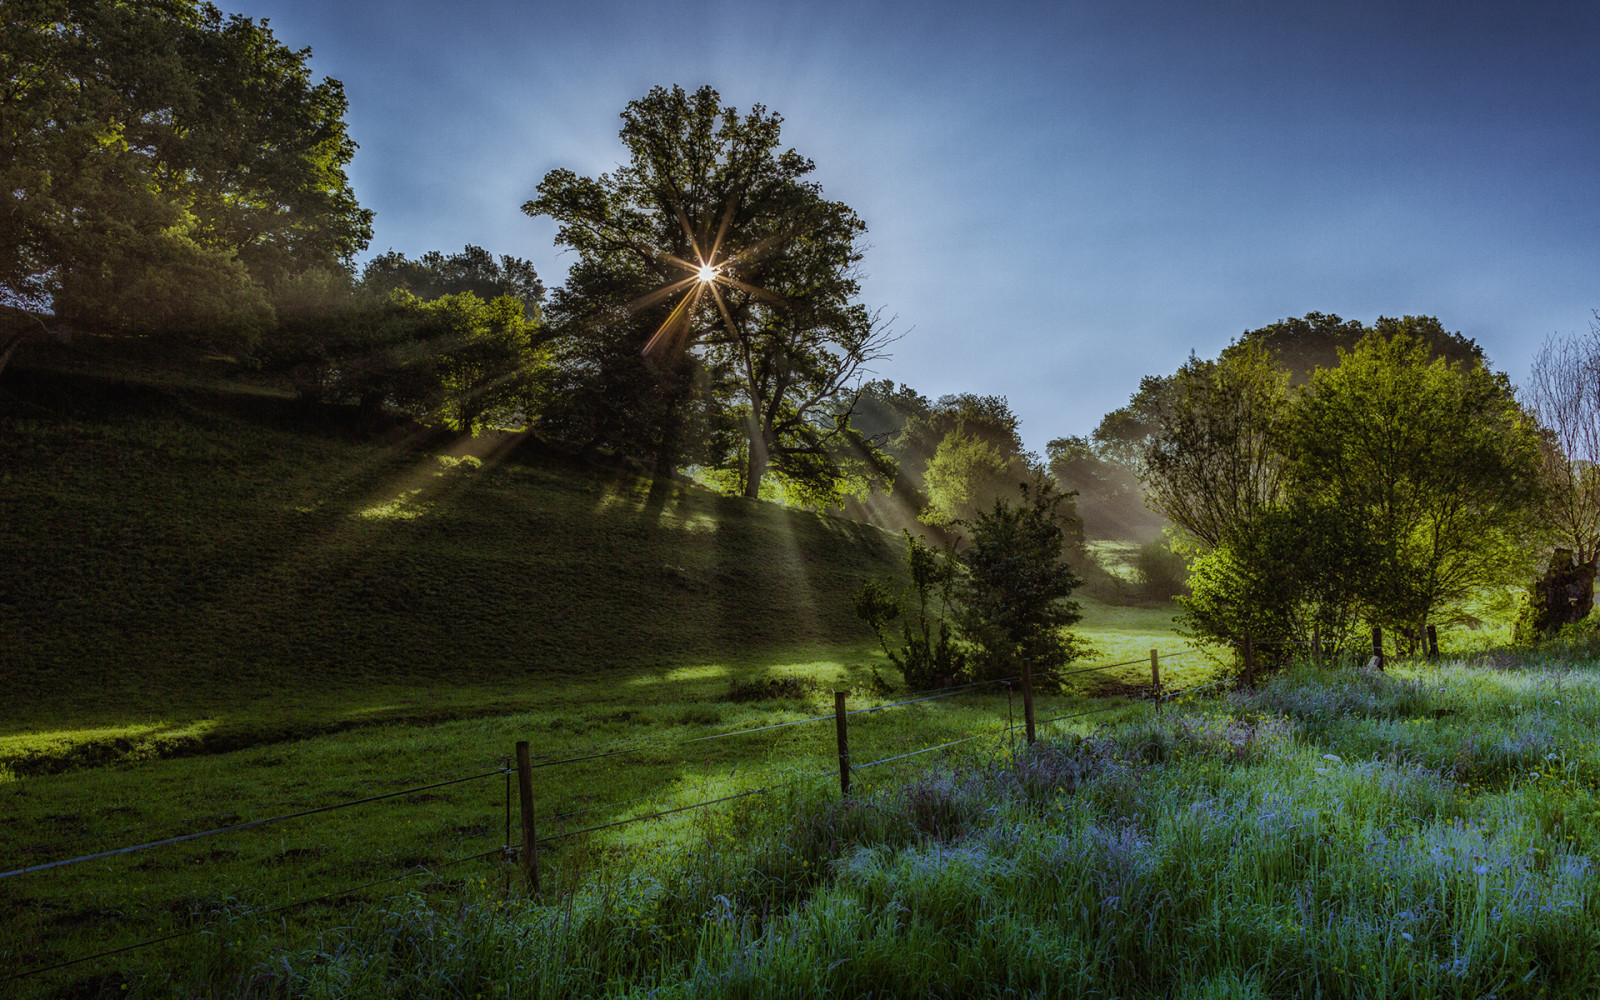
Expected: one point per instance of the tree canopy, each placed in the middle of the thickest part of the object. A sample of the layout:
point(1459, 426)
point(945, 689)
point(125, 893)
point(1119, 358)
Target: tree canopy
point(710, 264)
point(166, 166)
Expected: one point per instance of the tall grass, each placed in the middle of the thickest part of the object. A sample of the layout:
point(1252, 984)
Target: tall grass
point(1424, 833)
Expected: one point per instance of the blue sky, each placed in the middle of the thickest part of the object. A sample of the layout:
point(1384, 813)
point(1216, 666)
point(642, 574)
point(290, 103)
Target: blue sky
point(1060, 198)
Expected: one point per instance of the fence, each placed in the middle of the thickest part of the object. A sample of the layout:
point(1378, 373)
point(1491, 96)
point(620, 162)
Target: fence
point(520, 768)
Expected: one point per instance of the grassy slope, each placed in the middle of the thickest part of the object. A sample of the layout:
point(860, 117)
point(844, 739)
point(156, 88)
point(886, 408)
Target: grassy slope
point(167, 552)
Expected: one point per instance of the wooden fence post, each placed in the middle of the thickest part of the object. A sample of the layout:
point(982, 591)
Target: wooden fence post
point(1377, 645)
point(1155, 674)
point(842, 726)
point(1027, 700)
point(1433, 643)
point(1316, 642)
point(530, 836)
point(1249, 662)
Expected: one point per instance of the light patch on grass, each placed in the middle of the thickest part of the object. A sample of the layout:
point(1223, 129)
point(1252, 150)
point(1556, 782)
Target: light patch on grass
point(404, 506)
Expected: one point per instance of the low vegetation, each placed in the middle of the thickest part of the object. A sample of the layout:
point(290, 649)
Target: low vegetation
point(1429, 832)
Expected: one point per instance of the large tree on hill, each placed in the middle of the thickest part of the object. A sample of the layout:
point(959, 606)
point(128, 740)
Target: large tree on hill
point(713, 258)
point(164, 166)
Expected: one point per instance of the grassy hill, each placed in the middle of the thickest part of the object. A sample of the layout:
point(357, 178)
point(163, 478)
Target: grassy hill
point(218, 606)
point(219, 549)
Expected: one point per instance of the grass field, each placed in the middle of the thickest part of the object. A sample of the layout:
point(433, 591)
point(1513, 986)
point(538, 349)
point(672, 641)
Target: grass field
point(218, 615)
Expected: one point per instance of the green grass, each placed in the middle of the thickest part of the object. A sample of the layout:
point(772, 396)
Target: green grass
point(222, 613)
point(172, 550)
point(1426, 833)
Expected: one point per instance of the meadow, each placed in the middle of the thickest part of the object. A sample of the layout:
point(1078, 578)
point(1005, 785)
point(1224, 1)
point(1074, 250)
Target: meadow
point(224, 611)
point(225, 615)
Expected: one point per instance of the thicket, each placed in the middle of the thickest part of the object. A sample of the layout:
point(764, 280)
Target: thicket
point(996, 606)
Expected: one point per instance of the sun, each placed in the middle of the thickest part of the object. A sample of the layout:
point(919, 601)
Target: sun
point(707, 274)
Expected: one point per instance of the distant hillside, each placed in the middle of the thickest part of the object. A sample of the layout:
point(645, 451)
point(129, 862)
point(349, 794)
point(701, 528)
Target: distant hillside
point(157, 534)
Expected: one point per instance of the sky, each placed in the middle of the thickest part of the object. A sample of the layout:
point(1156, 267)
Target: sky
point(1060, 197)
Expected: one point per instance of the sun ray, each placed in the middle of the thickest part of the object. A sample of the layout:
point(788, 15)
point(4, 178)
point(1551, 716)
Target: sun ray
point(664, 292)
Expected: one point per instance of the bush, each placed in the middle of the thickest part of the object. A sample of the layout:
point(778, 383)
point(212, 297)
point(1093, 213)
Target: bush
point(1160, 573)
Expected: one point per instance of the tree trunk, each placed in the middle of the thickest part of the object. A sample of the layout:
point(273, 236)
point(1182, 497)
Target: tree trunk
point(756, 468)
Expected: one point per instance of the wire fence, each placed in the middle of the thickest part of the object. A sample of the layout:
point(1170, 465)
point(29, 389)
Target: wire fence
point(508, 851)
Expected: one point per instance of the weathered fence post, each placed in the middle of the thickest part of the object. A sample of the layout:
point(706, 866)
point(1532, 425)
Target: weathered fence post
point(1433, 643)
point(1155, 674)
point(1316, 642)
point(842, 726)
point(1249, 662)
point(1377, 645)
point(530, 836)
point(1027, 700)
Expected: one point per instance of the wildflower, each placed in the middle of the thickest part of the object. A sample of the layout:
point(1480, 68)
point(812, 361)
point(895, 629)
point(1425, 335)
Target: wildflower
point(1408, 938)
point(1481, 869)
point(1333, 757)
point(1550, 756)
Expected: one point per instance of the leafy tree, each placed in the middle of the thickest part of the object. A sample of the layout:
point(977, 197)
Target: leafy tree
point(967, 475)
point(1298, 346)
point(1426, 471)
point(1013, 600)
point(457, 359)
point(167, 167)
point(711, 254)
point(1214, 465)
point(1280, 578)
point(473, 270)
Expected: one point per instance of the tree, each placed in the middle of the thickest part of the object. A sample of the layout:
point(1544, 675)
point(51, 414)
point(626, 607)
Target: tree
point(1213, 464)
point(473, 270)
point(710, 250)
point(966, 475)
point(1426, 471)
point(1014, 597)
point(1563, 392)
point(1301, 346)
point(166, 167)
point(1110, 498)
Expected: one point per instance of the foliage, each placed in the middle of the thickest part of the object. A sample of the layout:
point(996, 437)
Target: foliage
point(772, 327)
point(457, 358)
point(1301, 346)
point(1110, 498)
point(1281, 580)
point(473, 270)
point(1159, 572)
point(966, 475)
point(1214, 465)
point(1295, 346)
point(1425, 471)
point(167, 166)
point(928, 654)
point(1013, 599)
